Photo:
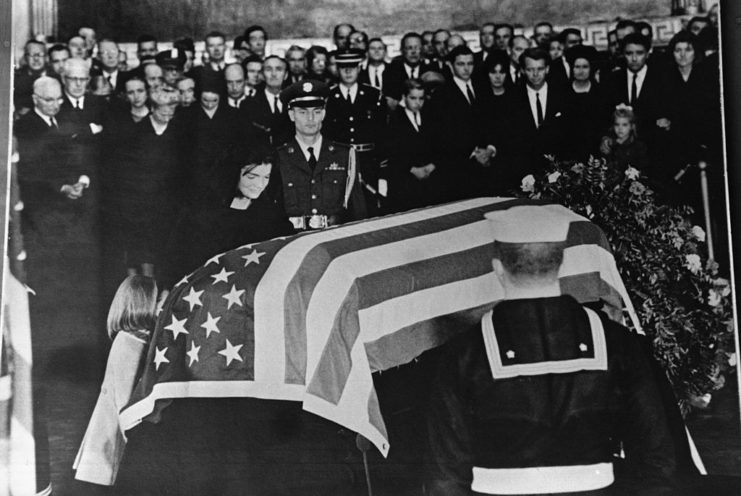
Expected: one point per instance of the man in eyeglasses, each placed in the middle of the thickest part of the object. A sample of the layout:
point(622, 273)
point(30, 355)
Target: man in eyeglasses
point(84, 111)
point(33, 67)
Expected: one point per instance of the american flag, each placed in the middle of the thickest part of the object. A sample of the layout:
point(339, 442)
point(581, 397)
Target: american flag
point(310, 317)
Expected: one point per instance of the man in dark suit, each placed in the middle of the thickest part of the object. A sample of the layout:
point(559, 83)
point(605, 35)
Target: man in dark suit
point(539, 121)
point(518, 45)
point(34, 55)
point(486, 41)
point(108, 66)
point(407, 67)
point(216, 49)
point(265, 111)
point(641, 86)
point(83, 111)
point(296, 58)
point(373, 73)
point(457, 128)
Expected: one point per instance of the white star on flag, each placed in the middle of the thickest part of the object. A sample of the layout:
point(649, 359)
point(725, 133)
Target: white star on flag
point(160, 358)
point(583, 347)
point(253, 257)
point(510, 354)
point(222, 276)
point(177, 327)
point(214, 259)
point(210, 324)
point(194, 298)
point(233, 297)
point(231, 352)
point(193, 353)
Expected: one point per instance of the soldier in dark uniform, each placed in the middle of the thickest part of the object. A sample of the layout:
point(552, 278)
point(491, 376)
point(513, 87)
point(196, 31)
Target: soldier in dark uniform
point(356, 117)
point(537, 398)
point(319, 176)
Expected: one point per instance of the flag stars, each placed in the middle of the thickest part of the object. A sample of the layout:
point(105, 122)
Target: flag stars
point(210, 324)
point(233, 297)
point(253, 257)
point(510, 354)
point(214, 259)
point(177, 327)
point(231, 353)
point(194, 298)
point(193, 353)
point(222, 276)
point(160, 358)
point(583, 347)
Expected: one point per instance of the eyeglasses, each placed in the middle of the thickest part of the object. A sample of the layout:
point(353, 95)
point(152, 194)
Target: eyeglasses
point(49, 99)
point(77, 80)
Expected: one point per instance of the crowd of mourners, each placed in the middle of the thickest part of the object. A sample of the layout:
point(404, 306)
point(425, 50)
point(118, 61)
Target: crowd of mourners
point(162, 155)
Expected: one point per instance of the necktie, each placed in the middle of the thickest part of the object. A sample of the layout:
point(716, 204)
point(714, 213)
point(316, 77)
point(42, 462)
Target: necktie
point(538, 109)
point(376, 80)
point(633, 90)
point(77, 104)
point(312, 159)
point(54, 122)
point(469, 93)
point(347, 96)
point(417, 121)
point(276, 110)
point(110, 81)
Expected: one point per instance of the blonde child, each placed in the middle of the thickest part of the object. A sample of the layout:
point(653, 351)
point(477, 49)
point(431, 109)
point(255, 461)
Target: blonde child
point(621, 147)
point(131, 319)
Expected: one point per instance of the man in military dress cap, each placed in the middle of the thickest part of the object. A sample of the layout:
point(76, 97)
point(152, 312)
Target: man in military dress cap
point(319, 176)
point(173, 65)
point(356, 117)
point(537, 398)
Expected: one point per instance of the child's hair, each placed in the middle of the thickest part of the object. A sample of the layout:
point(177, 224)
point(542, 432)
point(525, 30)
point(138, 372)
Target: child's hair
point(133, 307)
point(626, 112)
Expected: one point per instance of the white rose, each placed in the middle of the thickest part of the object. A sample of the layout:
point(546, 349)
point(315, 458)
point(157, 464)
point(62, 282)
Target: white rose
point(699, 233)
point(732, 360)
point(553, 177)
point(693, 263)
point(714, 298)
point(528, 184)
point(632, 173)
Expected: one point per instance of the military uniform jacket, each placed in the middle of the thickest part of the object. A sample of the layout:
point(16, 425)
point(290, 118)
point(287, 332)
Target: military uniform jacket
point(541, 383)
point(321, 192)
point(359, 122)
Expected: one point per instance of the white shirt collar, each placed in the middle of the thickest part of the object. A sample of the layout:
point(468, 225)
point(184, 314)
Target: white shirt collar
point(72, 100)
point(236, 102)
point(640, 77)
point(352, 89)
point(463, 85)
point(317, 146)
point(46, 118)
point(410, 116)
point(272, 101)
point(408, 69)
point(542, 96)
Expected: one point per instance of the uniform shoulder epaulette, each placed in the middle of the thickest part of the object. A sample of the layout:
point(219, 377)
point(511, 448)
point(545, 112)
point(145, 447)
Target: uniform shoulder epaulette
point(335, 147)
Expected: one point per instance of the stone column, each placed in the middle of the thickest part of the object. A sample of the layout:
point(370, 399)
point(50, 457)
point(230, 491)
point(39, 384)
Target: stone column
point(44, 17)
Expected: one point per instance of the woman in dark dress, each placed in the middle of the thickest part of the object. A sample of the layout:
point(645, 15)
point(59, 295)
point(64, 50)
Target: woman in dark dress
point(246, 213)
point(588, 106)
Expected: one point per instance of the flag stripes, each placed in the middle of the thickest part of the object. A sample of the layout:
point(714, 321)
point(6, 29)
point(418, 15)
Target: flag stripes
point(309, 318)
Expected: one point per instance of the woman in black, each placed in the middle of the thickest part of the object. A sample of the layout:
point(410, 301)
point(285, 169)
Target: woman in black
point(588, 106)
point(247, 212)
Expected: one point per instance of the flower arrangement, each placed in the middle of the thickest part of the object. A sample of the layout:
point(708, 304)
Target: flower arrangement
point(682, 303)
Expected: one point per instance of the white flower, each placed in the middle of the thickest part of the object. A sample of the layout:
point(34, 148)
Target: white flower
point(714, 298)
point(528, 184)
point(553, 177)
point(732, 360)
point(698, 232)
point(632, 173)
point(723, 285)
point(693, 263)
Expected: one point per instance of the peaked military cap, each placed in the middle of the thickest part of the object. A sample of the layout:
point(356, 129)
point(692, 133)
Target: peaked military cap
point(306, 93)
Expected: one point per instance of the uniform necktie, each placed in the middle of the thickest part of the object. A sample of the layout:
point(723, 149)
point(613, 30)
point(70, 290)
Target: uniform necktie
point(312, 159)
point(633, 90)
point(376, 80)
point(469, 92)
point(538, 109)
point(347, 96)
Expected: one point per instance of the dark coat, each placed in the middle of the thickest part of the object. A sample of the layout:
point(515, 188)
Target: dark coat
point(395, 75)
point(257, 112)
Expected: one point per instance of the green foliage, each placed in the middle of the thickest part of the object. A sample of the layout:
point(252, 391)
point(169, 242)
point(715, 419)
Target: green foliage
point(682, 303)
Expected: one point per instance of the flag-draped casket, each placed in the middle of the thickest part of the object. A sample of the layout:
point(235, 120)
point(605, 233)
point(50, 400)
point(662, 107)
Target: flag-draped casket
point(310, 317)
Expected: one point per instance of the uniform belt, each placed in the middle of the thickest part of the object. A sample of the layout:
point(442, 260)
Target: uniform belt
point(549, 480)
point(309, 221)
point(361, 147)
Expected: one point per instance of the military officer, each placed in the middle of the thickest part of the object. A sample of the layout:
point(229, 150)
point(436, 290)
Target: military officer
point(537, 398)
point(319, 176)
point(356, 117)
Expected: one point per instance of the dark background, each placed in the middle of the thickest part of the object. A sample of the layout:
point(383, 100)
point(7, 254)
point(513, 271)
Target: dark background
point(171, 19)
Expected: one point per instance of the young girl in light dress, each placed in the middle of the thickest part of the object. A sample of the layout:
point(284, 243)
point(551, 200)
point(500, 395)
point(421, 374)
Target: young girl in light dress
point(621, 147)
point(131, 320)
